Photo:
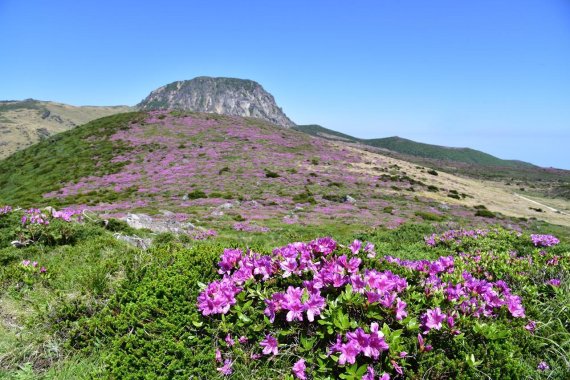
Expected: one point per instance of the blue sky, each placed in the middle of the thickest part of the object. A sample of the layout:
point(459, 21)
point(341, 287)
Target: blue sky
point(491, 75)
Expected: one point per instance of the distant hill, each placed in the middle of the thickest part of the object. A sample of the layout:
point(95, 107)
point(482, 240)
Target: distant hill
point(224, 96)
point(438, 152)
point(23, 123)
point(417, 149)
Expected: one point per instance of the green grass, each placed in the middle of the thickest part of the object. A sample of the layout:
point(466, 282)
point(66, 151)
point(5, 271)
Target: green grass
point(29, 173)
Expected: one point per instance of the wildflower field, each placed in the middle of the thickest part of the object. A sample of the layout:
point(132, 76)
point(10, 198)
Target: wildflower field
point(419, 301)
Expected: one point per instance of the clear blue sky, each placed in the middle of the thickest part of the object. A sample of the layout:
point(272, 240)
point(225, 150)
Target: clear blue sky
point(492, 75)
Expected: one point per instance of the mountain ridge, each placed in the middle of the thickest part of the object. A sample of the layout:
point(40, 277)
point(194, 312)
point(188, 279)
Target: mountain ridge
point(26, 122)
point(414, 148)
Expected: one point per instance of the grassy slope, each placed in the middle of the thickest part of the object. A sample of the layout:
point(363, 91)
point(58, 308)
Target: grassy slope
point(218, 170)
point(23, 123)
point(68, 156)
point(462, 161)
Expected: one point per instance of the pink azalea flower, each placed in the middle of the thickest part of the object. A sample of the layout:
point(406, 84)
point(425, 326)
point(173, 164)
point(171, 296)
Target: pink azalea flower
point(397, 367)
point(292, 302)
point(401, 312)
point(299, 369)
point(543, 366)
point(433, 318)
point(369, 375)
point(269, 345)
point(226, 369)
point(355, 247)
point(369, 249)
point(314, 305)
point(348, 352)
point(515, 306)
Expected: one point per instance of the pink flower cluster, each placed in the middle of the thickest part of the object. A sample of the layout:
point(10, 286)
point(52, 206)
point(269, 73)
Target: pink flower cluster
point(470, 296)
point(316, 274)
point(5, 210)
point(67, 215)
point(218, 297)
point(359, 342)
point(34, 216)
point(453, 236)
point(29, 265)
point(203, 235)
point(246, 227)
point(544, 240)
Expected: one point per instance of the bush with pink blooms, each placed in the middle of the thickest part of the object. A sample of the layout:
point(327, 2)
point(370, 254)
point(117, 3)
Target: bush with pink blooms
point(336, 311)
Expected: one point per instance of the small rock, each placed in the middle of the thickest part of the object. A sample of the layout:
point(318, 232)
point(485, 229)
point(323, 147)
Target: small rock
point(134, 241)
point(348, 199)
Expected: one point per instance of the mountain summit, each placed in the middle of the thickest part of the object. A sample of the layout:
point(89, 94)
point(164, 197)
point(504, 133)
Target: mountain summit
point(228, 96)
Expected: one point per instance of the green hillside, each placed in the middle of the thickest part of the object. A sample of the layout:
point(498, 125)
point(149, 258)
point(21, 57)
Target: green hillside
point(317, 130)
point(416, 149)
point(466, 155)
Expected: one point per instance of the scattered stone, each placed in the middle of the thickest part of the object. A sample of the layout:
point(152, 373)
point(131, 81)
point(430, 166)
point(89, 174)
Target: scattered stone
point(443, 206)
point(348, 199)
point(139, 221)
point(142, 243)
point(21, 244)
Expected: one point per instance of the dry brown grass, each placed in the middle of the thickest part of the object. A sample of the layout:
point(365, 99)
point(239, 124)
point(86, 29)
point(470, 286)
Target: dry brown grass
point(495, 196)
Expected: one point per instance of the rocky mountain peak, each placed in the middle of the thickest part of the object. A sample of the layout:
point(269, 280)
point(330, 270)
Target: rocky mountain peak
point(227, 96)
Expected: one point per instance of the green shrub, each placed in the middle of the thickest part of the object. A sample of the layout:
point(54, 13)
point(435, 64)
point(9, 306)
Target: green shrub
point(334, 198)
point(485, 213)
point(305, 197)
point(429, 216)
point(271, 174)
point(197, 194)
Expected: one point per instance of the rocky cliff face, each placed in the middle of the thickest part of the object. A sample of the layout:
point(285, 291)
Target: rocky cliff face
point(227, 96)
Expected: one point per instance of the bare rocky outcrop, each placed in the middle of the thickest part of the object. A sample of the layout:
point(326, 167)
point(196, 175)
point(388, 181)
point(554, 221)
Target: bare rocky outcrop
point(226, 96)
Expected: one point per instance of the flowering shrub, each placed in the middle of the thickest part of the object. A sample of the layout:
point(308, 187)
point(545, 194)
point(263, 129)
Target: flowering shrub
point(203, 234)
point(246, 227)
point(48, 226)
point(343, 312)
point(544, 240)
point(31, 272)
point(453, 236)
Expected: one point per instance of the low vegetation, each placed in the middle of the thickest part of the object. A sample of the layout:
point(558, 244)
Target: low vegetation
point(413, 302)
